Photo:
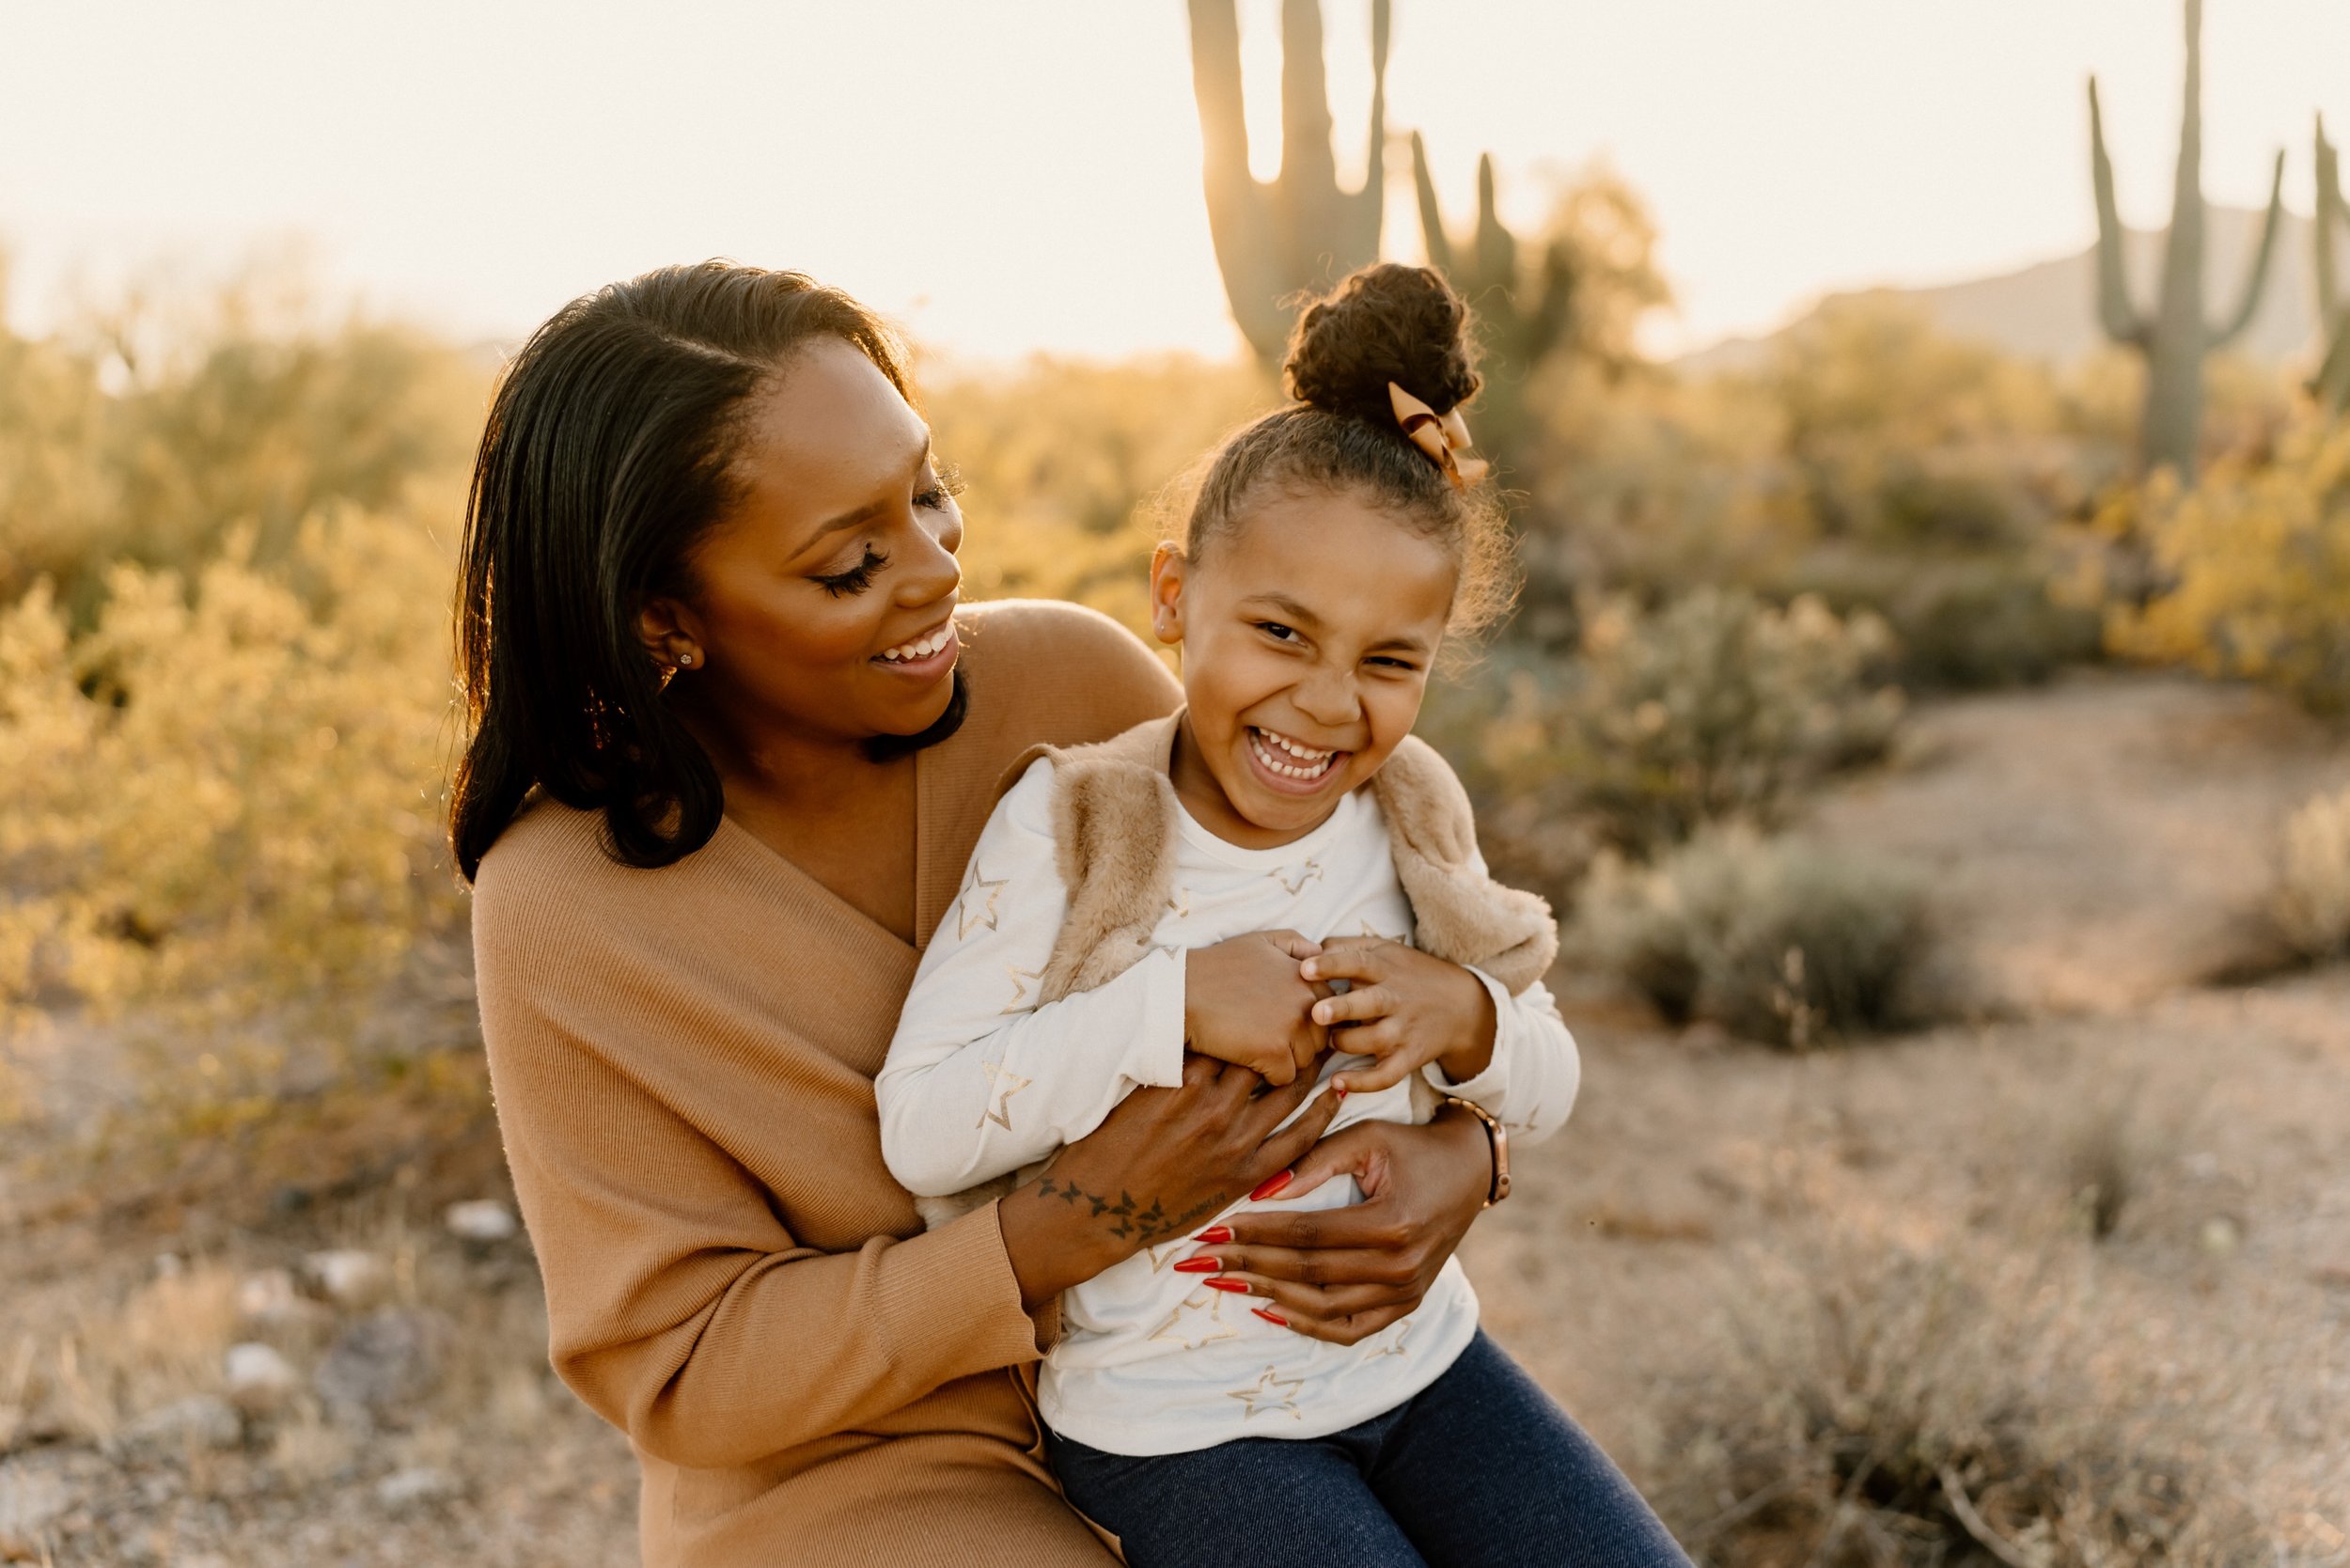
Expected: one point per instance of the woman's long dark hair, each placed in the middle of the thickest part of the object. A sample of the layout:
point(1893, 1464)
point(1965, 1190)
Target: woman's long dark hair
point(606, 458)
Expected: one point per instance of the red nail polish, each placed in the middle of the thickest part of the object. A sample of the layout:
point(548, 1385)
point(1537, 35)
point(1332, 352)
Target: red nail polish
point(1215, 1235)
point(1238, 1287)
point(1270, 1316)
point(1200, 1265)
point(1340, 1088)
point(1272, 1185)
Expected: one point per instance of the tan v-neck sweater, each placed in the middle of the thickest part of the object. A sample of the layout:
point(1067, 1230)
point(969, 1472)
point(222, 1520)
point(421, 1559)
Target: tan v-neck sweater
point(683, 1063)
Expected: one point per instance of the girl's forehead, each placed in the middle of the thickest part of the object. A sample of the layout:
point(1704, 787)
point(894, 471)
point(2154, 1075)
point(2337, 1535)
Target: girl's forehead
point(1338, 555)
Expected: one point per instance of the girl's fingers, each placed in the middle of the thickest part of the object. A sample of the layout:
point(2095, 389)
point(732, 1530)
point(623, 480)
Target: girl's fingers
point(1363, 1002)
point(1391, 1068)
point(1346, 961)
point(1296, 944)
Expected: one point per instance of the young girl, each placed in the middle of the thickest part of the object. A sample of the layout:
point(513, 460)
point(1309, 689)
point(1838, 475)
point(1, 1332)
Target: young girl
point(1280, 877)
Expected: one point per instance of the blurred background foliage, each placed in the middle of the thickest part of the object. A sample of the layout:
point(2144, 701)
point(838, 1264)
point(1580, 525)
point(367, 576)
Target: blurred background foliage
point(226, 518)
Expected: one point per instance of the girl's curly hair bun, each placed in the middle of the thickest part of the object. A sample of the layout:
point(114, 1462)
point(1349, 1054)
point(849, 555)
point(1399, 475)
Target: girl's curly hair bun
point(1384, 324)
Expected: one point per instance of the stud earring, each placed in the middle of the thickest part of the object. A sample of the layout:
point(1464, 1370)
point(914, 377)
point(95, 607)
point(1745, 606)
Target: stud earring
point(685, 658)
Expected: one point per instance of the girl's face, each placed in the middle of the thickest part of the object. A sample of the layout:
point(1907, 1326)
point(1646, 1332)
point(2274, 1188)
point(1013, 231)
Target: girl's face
point(823, 602)
point(1307, 630)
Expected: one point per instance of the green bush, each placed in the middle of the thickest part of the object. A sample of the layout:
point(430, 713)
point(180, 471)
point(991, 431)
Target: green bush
point(1718, 705)
point(2312, 901)
point(1778, 940)
point(1960, 622)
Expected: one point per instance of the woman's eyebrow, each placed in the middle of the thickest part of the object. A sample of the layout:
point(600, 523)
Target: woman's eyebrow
point(870, 509)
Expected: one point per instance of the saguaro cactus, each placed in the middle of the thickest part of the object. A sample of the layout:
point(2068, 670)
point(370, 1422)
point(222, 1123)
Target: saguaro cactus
point(2178, 336)
point(2331, 385)
point(1302, 230)
point(1522, 312)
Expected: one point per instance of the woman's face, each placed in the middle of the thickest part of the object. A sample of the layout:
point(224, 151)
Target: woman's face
point(823, 603)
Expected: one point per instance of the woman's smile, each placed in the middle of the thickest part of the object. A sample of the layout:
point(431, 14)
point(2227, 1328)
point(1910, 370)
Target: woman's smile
point(925, 658)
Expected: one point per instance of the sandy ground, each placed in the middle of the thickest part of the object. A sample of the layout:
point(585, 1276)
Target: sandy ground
point(2102, 850)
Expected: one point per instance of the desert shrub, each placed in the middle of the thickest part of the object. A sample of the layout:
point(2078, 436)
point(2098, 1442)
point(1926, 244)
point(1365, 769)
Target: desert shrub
point(1778, 940)
point(1873, 1405)
point(2312, 898)
point(145, 431)
point(1714, 706)
point(2254, 569)
point(1065, 462)
point(225, 792)
point(1960, 622)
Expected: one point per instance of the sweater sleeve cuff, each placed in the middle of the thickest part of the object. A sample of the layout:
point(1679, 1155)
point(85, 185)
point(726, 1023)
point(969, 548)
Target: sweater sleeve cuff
point(1156, 1058)
point(1487, 1088)
point(957, 1281)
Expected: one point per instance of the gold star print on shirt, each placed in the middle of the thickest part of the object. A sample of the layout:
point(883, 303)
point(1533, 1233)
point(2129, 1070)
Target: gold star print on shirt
point(1394, 1342)
point(971, 911)
point(1271, 1396)
point(1006, 1084)
point(1199, 1321)
point(1022, 999)
point(1293, 878)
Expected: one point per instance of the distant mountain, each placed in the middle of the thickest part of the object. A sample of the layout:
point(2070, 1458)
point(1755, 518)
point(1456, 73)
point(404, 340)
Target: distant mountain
point(2049, 310)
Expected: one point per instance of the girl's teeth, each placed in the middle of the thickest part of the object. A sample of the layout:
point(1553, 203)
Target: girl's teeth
point(1319, 762)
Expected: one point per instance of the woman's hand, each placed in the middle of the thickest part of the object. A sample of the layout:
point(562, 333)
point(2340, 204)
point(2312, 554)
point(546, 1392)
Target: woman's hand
point(1159, 1166)
point(1343, 1275)
point(1246, 1003)
point(1404, 1007)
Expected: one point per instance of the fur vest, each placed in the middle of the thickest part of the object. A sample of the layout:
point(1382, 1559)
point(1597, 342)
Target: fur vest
point(1115, 831)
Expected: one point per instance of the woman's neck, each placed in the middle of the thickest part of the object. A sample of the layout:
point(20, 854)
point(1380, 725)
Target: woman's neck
point(826, 806)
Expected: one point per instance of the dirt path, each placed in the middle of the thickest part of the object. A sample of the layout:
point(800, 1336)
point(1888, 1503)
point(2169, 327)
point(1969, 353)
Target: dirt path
point(2098, 843)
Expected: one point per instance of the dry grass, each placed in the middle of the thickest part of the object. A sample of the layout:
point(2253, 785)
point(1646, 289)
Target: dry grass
point(1866, 1405)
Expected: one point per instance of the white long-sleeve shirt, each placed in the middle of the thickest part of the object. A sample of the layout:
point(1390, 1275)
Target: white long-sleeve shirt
point(981, 1080)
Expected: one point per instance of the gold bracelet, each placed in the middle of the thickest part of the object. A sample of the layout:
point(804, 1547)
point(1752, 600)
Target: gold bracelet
point(1496, 1134)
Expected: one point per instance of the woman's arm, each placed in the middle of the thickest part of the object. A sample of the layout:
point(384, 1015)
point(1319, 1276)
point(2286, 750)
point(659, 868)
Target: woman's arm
point(683, 1310)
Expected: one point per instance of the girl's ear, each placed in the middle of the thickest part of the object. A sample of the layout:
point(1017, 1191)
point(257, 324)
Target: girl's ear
point(1168, 569)
point(671, 635)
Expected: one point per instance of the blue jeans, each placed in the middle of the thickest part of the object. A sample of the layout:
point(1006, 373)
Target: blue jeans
point(1478, 1468)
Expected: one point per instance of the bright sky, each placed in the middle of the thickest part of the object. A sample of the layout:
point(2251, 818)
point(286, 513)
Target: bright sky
point(1012, 176)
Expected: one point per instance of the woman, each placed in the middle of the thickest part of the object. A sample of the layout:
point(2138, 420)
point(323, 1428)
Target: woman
point(733, 741)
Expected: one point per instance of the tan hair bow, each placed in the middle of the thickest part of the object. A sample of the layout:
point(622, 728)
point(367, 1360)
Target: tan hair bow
point(1444, 437)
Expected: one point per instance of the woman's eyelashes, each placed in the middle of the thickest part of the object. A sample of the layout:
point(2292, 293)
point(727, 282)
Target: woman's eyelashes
point(945, 485)
point(857, 578)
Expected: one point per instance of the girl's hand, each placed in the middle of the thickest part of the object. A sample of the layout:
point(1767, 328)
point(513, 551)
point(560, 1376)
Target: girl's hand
point(1343, 1275)
point(1404, 1008)
point(1246, 1003)
point(1162, 1163)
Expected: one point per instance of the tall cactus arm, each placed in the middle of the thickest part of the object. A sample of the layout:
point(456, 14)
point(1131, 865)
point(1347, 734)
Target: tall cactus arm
point(1431, 216)
point(1366, 207)
point(2331, 215)
point(2123, 324)
point(1496, 249)
point(1553, 305)
point(1307, 159)
point(2255, 285)
point(1238, 221)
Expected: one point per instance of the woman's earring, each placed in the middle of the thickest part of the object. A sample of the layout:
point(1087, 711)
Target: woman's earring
point(685, 658)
